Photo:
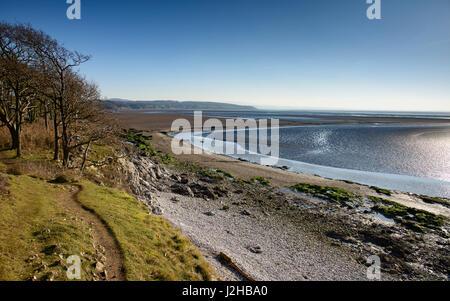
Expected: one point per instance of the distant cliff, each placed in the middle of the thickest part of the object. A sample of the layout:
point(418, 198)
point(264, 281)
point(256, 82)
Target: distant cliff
point(117, 104)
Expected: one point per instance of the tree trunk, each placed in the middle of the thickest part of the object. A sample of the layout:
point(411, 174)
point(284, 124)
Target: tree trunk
point(46, 117)
point(18, 122)
point(55, 130)
point(65, 157)
point(18, 144)
point(64, 135)
point(15, 137)
point(12, 132)
point(85, 156)
point(65, 144)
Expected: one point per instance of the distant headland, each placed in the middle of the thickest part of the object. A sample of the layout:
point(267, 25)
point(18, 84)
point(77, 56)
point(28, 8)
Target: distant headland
point(118, 104)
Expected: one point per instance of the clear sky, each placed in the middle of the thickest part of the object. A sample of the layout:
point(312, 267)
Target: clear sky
point(293, 53)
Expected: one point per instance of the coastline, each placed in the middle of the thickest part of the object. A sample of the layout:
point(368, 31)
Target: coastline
point(158, 125)
point(396, 182)
point(273, 233)
point(283, 178)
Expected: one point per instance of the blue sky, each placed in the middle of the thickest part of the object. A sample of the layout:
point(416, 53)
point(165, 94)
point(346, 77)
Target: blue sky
point(292, 53)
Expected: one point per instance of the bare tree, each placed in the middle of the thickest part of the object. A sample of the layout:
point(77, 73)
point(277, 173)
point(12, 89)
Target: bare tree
point(102, 128)
point(57, 63)
point(18, 80)
point(36, 72)
point(77, 112)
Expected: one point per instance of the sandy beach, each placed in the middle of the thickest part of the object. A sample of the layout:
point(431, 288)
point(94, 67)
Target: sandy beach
point(162, 122)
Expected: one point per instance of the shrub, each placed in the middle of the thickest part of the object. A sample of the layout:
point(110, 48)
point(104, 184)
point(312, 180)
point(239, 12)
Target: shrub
point(15, 170)
point(139, 140)
point(61, 179)
point(37, 169)
point(167, 158)
point(36, 137)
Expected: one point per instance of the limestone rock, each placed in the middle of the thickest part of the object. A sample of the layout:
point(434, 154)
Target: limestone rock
point(181, 189)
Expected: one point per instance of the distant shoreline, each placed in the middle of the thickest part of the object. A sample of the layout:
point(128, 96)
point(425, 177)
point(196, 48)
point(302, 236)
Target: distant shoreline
point(163, 121)
point(131, 105)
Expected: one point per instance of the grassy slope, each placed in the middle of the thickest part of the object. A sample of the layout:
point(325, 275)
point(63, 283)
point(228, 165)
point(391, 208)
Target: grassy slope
point(33, 222)
point(153, 249)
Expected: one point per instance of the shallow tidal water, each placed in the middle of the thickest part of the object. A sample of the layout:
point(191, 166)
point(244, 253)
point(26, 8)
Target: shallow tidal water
point(410, 157)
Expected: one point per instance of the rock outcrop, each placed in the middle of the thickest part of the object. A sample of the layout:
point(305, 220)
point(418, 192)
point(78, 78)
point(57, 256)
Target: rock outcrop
point(144, 177)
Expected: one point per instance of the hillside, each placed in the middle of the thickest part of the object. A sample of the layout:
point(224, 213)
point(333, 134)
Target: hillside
point(45, 221)
point(117, 104)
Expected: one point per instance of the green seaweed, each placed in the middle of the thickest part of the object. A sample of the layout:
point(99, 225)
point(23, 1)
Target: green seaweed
point(212, 174)
point(226, 174)
point(260, 180)
point(377, 200)
point(413, 218)
point(241, 182)
point(435, 200)
point(332, 194)
point(381, 190)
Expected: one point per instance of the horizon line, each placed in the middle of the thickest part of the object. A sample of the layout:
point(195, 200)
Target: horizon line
point(280, 108)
